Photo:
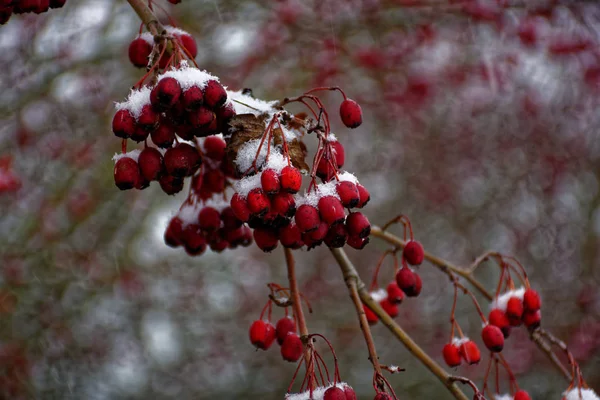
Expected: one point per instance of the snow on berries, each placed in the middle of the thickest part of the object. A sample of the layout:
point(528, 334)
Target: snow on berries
point(7, 8)
point(580, 394)
point(517, 306)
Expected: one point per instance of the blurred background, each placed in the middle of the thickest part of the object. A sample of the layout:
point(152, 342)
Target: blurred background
point(480, 123)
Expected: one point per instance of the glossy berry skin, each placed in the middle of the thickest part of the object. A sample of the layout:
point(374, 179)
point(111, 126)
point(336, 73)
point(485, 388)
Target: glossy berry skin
point(363, 195)
point(148, 118)
point(239, 205)
point(351, 113)
point(317, 236)
point(123, 124)
point(181, 160)
point(405, 279)
point(192, 98)
point(348, 193)
point(174, 233)
point(189, 43)
point(165, 94)
point(498, 318)
point(331, 210)
point(265, 239)
point(214, 94)
point(170, 184)
point(258, 202)
point(164, 135)
point(390, 308)
point(357, 224)
point(150, 162)
point(193, 240)
point(126, 173)
point(395, 294)
point(413, 252)
point(334, 393)
point(493, 338)
point(371, 316)
point(532, 319)
point(531, 300)
point(357, 243)
point(284, 326)
point(292, 348)
point(209, 219)
point(269, 180)
point(521, 395)
point(291, 179)
point(139, 51)
point(451, 355)
point(283, 204)
point(262, 334)
point(201, 117)
point(514, 311)
point(470, 352)
point(307, 218)
point(336, 236)
point(339, 153)
point(290, 236)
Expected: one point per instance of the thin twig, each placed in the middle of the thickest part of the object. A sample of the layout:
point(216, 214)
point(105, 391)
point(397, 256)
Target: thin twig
point(147, 16)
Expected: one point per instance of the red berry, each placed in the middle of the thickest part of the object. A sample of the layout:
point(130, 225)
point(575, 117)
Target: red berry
point(349, 392)
point(514, 311)
point(405, 278)
point(451, 355)
point(57, 3)
point(531, 300)
point(418, 286)
point(498, 318)
point(348, 193)
point(358, 225)
point(331, 210)
point(290, 236)
point(123, 124)
point(151, 163)
point(283, 204)
point(181, 160)
point(336, 236)
point(127, 173)
point(532, 319)
point(139, 51)
point(214, 147)
point(292, 348)
point(189, 43)
point(470, 352)
point(239, 205)
point(413, 252)
point(258, 202)
point(265, 239)
point(218, 244)
point(269, 180)
point(325, 170)
point(357, 242)
point(262, 334)
point(395, 294)
point(318, 235)
point(214, 180)
point(390, 308)
point(371, 316)
point(493, 338)
point(214, 94)
point(192, 98)
point(148, 118)
point(209, 219)
point(284, 326)
point(291, 179)
point(307, 218)
point(522, 395)
point(170, 184)
point(174, 233)
point(194, 241)
point(164, 135)
point(364, 195)
point(339, 153)
point(230, 221)
point(200, 117)
point(139, 134)
point(334, 393)
point(165, 94)
point(351, 113)
point(382, 396)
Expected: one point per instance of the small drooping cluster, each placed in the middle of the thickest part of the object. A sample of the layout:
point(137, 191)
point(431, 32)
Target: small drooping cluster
point(263, 333)
point(515, 307)
point(460, 349)
point(10, 7)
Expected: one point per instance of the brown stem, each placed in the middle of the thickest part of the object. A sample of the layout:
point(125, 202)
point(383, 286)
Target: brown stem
point(349, 271)
point(147, 16)
point(351, 279)
point(467, 273)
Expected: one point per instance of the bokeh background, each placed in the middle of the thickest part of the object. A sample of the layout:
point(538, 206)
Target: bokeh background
point(480, 123)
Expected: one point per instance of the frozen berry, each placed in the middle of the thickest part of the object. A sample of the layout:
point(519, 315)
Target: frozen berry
point(531, 300)
point(358, 225)
point(498, 318)
point(413, 252)
point(200, 117)
point(470, 352)
point(356, 242)
point(181, 160)
point(194, 241)
point(331, 211)
point(123, 124)
point(493, 338)
point(174, 233)
point(307, 218)
point(164, 135)
point(258, 202)
point(262, 334)
point(351, 113)
point(532, 319)
point(214, 94)
point(269, 180)
point(290, 236)
point(265, 239)
point(126, 173)
point(189, 43)
point(292, 348)
point(283, 204)
point(209, 219)
point(192, 98)
point(514, 311)
point(364, 196)
point(230, 221)
point(170, 184)
point(451, 355)
point(165, 94)
point(395, 294)
point(291, 179)
point(348, 193)
point(239, 205)
point(151, 163)
point(139, 51)
point(334, 393)
point(336, 236)
point(148, 118)
point(284, 326)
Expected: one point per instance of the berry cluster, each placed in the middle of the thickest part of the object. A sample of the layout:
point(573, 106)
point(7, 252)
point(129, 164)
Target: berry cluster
point(10, 7)
point(461, 349)
point(263, 334)
point(516, 307)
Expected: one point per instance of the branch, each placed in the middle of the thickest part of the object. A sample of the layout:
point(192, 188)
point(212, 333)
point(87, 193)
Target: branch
point(147, 16)
point(467, 273)
point(349, 271)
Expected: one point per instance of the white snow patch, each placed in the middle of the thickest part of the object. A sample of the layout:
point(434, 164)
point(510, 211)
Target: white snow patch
point(248, 151)
point(246, 184)
point(244, 104)
point(317, 394)
point(218, 203)
point(347, 176)
point(189, 76)
point(312, 198)
point(586, 394)
point(133, 154)
point(148, 38)
point(176, 31)
point(503, 397)
point(501, 301)
point(458, 341)
point(379, 294)
point(136, 100)
point(188, 214)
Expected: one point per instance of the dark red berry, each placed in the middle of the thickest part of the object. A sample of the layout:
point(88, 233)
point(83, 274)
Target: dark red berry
point(331, 210)
point(338, 153)
point(194, 241)
point(498, 318)
point(514, 311)
point(269, 180)
point(382, 396)
point(532, 319)
point(351, 113)
point(214, 181)
point(239, 205)
point(262, 334)
point(192, 98)
point(209, 219)
point(357, 224)
point(334, 393)
point(265, 239)
point(148, 118)
point(318, 235)
point(181, 160)
point(290, 236)
point(170, 184)
point(395, 294)
point(357, 242)
point(214, 147)
point(174, 233)
point(292, 348)
point(406, 280)
point(349, 392)
point(164, 135)
point(258, 202)
point(127, 173)
point(200, 117)
point(325, 170)
point(336, 236)
point(470, 352)
point(214, 94)
point(291, 179)
point(283, 204)
point(284, 326)
point(139, 51)
point(151, 163)
point(123, 124)
point(307, 218)
point(348, 193)
point(451, 355)
point(165, 94)
point(230, 221)
point(531, 300)
point(413, 253)
point(364, 195)
point(493, 338)
point(189, 43)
